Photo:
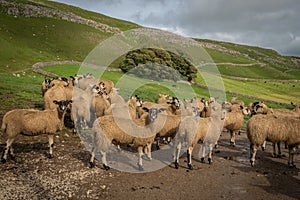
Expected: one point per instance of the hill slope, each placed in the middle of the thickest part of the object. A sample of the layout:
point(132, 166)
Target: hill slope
point(33, 31)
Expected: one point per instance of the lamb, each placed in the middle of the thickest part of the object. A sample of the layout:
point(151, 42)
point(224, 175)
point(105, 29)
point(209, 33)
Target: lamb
point(194, 129)
point(32, 122)
point(274, 129)
point(139, 133)
point(234, 120)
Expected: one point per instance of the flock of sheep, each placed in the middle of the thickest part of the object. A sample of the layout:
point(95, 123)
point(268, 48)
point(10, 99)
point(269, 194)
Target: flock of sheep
point(97, 108)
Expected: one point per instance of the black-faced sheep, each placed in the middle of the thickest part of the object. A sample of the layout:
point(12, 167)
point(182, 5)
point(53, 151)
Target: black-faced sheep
point(261, 128)
point(32, 122)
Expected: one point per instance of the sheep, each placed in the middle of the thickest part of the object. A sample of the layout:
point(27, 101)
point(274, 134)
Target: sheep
point(32, 122)
point(234, 120)
point(172, 106)
point(60, 81)
point(169, 129)
point(194, 129)
point(87, 81)
point(101, 104)
point(55, 92)
point(234, 100)
point(206, 112)
point(274, 129)
point(139, 133)
point(108, 85)
point(46, 85)
point(162, 98)
point(83, 101)
point(261, 108)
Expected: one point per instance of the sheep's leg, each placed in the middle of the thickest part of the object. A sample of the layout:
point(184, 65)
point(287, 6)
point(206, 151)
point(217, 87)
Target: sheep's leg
point(189, 157)
point(140, 162)
point(177, 150)
point(292, 151)
point(92, 159)
point(51, 145)
point(148, 151)
point(7, 149)
point(253, 150)
point(232, 138)
point(263, 146)
point(210, 153)
point(279, 150)
point(202, 153)
point(104, 162)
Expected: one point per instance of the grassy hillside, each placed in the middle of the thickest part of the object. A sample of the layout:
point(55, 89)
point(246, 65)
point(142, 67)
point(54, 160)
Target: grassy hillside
point(27, 39)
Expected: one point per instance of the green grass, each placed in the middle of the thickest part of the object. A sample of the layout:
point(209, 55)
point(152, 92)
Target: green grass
point(274, 91)
point(23, 91)
point(26, 41)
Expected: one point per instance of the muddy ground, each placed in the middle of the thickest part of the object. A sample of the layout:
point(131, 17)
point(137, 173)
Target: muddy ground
point(68, 176)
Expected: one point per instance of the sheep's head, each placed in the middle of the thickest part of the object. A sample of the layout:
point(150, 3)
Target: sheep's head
point(47, 83)
point(175, 102)
point(62, 105)
point(153, 112)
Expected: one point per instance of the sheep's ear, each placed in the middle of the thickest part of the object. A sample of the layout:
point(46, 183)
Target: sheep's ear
point(145, 109)
point(56, 102)
point(292, 103)
point(69, 101)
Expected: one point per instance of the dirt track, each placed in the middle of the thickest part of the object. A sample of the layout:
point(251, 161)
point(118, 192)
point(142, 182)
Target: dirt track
point(67, 176)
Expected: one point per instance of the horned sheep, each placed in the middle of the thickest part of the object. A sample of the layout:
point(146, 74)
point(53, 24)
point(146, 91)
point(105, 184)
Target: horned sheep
point(32, 122)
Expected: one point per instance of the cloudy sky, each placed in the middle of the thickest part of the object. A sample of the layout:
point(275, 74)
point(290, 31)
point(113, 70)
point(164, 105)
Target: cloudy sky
point(266, 23)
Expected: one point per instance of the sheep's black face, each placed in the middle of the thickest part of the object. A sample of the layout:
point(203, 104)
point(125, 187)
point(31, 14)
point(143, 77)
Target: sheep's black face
point(47, 83)
point(62, 105)
point(175, 102)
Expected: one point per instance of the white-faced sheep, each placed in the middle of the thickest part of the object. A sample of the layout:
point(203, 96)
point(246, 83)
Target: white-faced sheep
point(32, 122)
point(194, 129)
point(138, 133)
point(275, 129)
point(234, 120)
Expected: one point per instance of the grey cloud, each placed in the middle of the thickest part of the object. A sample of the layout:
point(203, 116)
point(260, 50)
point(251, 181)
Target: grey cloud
point(267, 23)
